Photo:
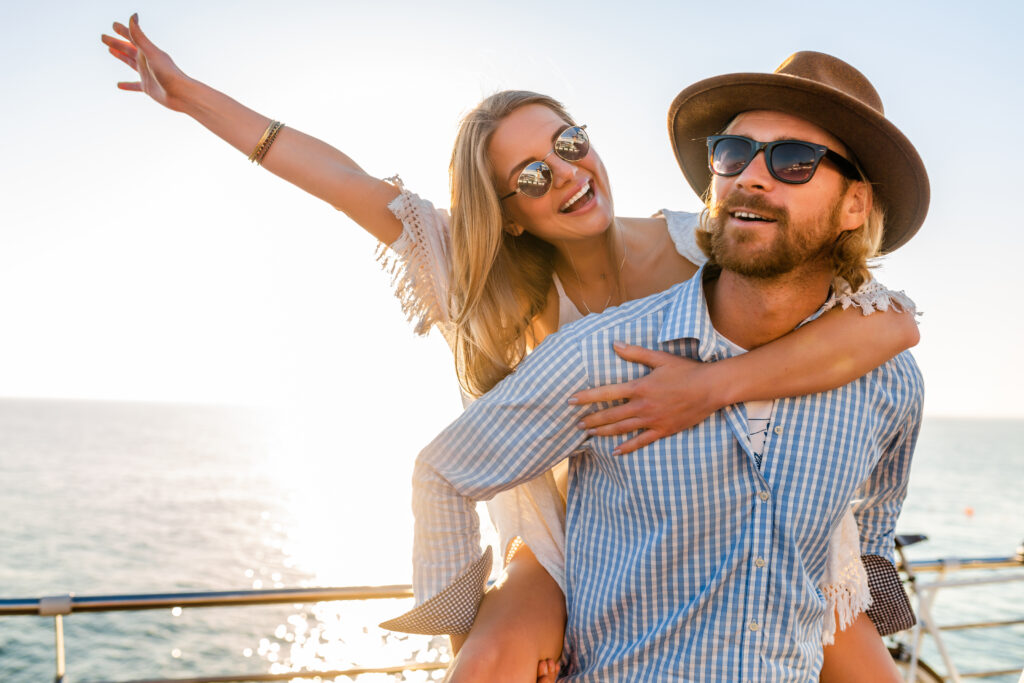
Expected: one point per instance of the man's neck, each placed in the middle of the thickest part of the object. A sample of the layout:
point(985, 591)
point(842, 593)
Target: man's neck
point(754, 311)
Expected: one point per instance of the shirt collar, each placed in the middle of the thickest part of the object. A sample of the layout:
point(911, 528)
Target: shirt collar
point(688, 316)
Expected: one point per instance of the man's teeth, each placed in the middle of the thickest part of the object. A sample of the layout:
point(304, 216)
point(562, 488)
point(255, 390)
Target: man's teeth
point(575, 197)
point(749, 216)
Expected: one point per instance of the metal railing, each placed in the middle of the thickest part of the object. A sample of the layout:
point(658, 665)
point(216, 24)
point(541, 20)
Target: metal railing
point(926, 593)
point(60, 605)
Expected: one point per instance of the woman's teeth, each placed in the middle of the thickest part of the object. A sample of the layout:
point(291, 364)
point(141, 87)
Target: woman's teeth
point(576, 197)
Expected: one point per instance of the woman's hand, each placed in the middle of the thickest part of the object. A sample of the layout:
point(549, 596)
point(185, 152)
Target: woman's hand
point(677, 394)
point(159, 76)
point(311, 164)
point(547, 671)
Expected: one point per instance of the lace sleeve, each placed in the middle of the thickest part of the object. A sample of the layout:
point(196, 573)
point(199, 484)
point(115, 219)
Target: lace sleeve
point(682, 228)
point(845, 586)
point(872, 296)
point(418, 260)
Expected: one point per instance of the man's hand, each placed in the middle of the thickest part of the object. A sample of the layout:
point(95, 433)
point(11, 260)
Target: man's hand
point(677, 394)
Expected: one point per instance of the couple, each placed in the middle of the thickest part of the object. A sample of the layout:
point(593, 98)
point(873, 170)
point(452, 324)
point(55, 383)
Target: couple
point(532, 243)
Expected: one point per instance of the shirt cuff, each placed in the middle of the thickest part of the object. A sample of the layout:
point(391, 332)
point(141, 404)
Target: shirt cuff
point(451, 611)
point(890, 608)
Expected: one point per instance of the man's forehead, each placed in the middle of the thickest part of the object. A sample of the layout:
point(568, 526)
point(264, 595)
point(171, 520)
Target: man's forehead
point(766, 125)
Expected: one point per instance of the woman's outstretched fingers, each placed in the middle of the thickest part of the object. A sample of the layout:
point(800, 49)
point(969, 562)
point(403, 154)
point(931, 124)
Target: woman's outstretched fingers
point(625, 390)
point(135, 31)
point(122, 30)
point(618, 427)
point(673, 396)
point(117, 44)
point(642, 355)
point(648, 436)
point(609, 416)
point(547, 671)
point(605, 394)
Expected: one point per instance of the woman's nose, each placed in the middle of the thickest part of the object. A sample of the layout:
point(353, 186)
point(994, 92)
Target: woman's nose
point(562, 171)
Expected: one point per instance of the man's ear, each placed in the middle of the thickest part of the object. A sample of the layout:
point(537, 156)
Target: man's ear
point(856, 206)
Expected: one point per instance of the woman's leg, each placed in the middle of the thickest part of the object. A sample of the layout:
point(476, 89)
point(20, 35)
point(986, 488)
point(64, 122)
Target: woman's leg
point(859, 655)
point(521, 622)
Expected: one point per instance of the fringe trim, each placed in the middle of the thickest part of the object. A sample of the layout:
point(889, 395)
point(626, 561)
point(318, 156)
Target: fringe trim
point(846, 601)
point(406, 283)
point(872, 296)
point(417, 261)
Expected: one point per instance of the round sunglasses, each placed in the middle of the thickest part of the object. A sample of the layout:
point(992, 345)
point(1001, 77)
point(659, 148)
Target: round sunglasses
point(572, 144)
point(790, 161)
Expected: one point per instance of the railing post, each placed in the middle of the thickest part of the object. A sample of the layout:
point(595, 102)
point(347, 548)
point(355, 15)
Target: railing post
point(57, 606)
point(58, 624)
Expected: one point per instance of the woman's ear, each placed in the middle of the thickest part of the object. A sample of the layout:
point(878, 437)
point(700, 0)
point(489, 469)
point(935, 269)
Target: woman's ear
point(513, 229)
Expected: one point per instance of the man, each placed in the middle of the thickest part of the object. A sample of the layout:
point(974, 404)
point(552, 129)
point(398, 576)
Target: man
point(699, 556)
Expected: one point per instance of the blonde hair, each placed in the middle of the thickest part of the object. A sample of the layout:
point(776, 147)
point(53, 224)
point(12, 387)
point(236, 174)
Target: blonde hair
point(499, 282)
point(852, 251)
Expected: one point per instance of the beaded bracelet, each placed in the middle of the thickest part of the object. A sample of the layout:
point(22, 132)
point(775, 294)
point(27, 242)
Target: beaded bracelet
point(269, 135)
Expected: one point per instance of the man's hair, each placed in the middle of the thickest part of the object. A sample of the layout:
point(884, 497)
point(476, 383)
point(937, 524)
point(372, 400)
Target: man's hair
point(851, 252)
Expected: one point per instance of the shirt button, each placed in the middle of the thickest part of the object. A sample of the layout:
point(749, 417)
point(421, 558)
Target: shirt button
point(778, 429)
point(753, 626)
point(759, 562)
point(763, 495)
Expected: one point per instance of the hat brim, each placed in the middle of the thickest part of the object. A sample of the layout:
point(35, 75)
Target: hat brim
point(886, 156)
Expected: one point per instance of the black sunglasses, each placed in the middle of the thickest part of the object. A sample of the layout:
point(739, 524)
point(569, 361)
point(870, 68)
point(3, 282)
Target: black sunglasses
point(790, 161)
point(572, 144)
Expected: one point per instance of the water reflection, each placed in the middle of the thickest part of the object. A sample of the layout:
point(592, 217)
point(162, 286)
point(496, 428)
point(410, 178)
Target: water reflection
point(340, 635)
point(341, 518)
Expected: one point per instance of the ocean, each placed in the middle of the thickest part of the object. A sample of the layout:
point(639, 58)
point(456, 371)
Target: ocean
point(104, 498)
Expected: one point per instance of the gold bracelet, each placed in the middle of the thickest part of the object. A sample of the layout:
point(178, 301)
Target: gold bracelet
point(269, 135)
point(263, 140)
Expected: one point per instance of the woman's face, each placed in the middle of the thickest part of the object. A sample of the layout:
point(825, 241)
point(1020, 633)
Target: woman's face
point(579, 203)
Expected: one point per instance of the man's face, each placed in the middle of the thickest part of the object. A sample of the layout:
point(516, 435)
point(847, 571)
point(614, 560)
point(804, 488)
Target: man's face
point(762, 227)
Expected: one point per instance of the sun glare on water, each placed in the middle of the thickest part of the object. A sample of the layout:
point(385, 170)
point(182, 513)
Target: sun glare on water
point(343, 519)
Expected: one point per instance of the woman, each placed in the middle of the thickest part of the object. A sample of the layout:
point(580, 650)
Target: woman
point(533, 243)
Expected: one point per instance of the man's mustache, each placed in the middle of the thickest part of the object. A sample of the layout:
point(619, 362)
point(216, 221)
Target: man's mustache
point(737, 199)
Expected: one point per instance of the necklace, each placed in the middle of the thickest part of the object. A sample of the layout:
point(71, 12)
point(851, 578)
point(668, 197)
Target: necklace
point(618, 278)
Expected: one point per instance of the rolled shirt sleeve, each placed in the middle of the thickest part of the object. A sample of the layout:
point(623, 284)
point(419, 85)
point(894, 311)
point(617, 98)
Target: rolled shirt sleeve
point(514, 433)
point(876, 511)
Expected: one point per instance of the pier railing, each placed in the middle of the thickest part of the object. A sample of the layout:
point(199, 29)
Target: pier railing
point(59, 606)
point(908, 649)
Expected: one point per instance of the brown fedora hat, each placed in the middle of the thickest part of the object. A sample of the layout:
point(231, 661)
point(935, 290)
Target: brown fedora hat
point(829, 93)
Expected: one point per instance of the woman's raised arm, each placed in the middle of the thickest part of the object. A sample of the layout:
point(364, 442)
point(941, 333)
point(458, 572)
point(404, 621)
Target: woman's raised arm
point(304, 161)
point(836, 349)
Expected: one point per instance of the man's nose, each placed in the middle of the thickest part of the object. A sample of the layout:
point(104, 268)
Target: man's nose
point(756, 175)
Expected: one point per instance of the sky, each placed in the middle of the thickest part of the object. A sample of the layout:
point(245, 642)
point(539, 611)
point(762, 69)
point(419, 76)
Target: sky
point(143, 259)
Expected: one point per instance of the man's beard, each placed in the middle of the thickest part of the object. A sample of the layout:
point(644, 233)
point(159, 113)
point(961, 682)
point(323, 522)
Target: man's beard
point(792, 245)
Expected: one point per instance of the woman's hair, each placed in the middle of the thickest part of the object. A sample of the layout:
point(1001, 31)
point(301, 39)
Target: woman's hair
point(853, 249)
point(500, 282)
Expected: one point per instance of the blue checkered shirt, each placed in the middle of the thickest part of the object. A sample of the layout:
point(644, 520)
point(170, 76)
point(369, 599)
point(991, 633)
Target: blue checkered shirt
point(685, 561)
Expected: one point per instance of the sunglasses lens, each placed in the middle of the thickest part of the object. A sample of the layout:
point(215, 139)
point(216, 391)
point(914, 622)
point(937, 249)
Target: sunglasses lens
point(535, 179)
point(793, 162)
point(573, 144)
point(730, 156)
